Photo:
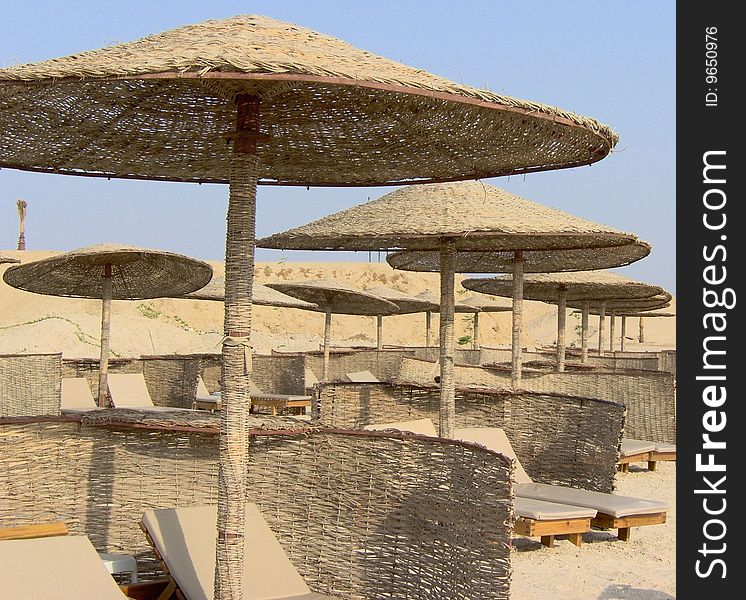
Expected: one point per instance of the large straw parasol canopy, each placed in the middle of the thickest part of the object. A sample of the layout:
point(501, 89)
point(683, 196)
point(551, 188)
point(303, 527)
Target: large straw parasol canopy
point(661, 300)
point(250, 100)
point(333, 114)
point(110, 272)
point(261, 295)
point(459, 307)
point(334, 297)
point(450, 218)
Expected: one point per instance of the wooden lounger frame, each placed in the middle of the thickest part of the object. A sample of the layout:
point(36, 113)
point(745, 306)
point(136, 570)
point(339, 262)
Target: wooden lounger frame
point(547, 530)
point(624, 525)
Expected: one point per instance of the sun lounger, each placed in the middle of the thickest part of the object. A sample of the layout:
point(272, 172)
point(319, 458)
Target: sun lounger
point(275, 401)
point(536, 518)
point(613, 511)
point(361, 377)
point(184, 541)
point(58, 566)
point(129, 390)
point(644, 451)
point(76, 396)
point(204, 399)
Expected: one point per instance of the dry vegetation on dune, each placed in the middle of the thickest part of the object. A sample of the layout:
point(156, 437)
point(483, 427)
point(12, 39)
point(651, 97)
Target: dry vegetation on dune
point(34, 323)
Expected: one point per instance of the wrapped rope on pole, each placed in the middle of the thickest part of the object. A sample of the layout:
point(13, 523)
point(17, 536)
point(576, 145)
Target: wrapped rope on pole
point(515, 378)
point(561, 320)
point(447, 372)
point(584, 332)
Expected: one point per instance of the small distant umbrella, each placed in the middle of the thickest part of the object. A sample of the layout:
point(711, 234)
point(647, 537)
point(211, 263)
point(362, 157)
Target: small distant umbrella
point(560, 288)
point(448, 218)
point(407, 304)
point(639, 312)
point(8, 259)
point(110, 272)
point(261, 295)
point(434, 299)
point(484, 304)
point(599, 307)
point(334, 297)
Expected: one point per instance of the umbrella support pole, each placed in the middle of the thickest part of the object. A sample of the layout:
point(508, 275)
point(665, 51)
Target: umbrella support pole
point(475, 340)
point(103, 363)
point(612, 330)
point(623, 333)
point(236, 400)
point(428, 328)
point(379, 332)
point(641, 334)
point(447, 420)
point(327, 343)
point(515, 372)
point(584, 332)
point(601, 328)
point(561, 322)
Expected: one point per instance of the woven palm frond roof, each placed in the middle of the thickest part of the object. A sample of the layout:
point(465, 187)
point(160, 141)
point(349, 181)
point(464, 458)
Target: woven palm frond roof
point(159, 108)
point(662, 300)
point(434, 299)
point(534, 261)
point(337, 296)
point(261, 295)
point(637, 313)
point(136, 273)
point(582, 285)
point(477, 216)
point(407, 303)
point(488, 303)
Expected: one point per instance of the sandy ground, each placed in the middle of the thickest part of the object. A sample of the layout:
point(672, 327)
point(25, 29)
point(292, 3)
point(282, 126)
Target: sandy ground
point(36, 323)
point(604, 568)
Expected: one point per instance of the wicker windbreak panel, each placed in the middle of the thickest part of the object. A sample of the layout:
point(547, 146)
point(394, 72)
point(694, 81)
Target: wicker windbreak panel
point(650, 396)
point(361, 514)
point(559, 439)
point(384, 364)
point(30, 384)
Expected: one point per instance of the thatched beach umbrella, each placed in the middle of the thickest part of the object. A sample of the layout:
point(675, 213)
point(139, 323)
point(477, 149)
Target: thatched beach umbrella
point(484, 304)
point(261, 295)
point(250, 100)
point(560, 288)
point(8, 259)
point(600, 307)
point(447, 218)
point(334, 297)
point(110, 272)
point(406, 303)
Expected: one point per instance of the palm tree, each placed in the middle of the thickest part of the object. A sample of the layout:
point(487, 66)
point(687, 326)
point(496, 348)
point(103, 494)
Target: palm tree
point(21, 206)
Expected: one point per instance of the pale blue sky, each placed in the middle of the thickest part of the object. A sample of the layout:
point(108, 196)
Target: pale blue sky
point(614, 61)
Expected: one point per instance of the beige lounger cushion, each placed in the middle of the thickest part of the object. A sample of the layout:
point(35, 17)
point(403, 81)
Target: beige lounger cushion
point(661, 447)
point(361, 377)
point(541, 510)
point(610, 504)
point(76, 394)
point(129, 390)
point(185, 539)
point(631, 446)
point(65, 566)
point(493, 438)
point(420, 426)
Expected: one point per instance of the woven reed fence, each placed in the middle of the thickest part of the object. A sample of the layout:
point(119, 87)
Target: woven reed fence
point(171, 379)
point(650, 396)
point(384, 364)
point(558, 438)
point(361, 514)
point(30, 384)
point(667, 361)
point(272, 373)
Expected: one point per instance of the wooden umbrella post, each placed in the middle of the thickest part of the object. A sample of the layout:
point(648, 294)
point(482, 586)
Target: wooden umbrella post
point(103, 362)
point(601, 328)
point(236, 400)
point(584, 331)
point(428, 328)
point(515, 375)
point(447, 421)
point(612, 330)
point(379, 332)
point(623, 333)
point(327, 342)
point(475, 339)
point(561, 322)
point(641, 334)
